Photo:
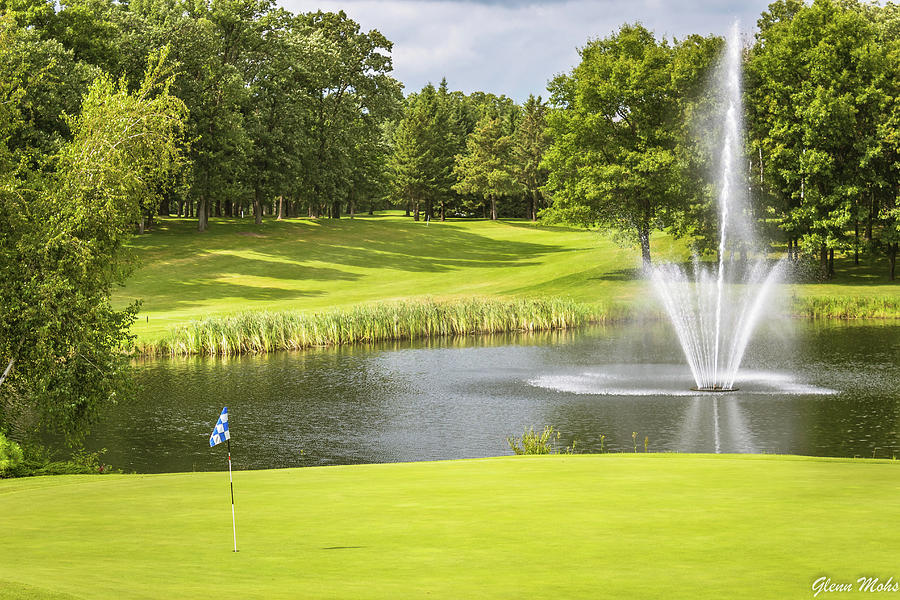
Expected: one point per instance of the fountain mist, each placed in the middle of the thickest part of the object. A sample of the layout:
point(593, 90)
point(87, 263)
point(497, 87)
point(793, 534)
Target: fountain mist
point(715, 311)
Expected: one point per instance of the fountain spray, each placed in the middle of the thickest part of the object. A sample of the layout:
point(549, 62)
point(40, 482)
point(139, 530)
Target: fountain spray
point(714, 313)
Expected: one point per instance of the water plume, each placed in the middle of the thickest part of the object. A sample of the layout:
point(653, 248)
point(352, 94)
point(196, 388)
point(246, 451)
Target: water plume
point(714, 310)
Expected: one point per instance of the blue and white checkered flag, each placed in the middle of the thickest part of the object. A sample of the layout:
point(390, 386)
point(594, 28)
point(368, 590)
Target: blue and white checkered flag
point(220, 433)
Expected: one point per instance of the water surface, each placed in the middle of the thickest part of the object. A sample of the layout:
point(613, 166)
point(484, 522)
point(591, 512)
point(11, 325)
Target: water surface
point(827, 389)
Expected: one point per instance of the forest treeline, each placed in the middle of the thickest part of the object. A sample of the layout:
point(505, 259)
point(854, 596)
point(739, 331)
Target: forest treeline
point(298, 115)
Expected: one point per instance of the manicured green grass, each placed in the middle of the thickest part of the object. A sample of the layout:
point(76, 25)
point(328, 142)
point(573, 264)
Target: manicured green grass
point(582, 526)
point(319, 265)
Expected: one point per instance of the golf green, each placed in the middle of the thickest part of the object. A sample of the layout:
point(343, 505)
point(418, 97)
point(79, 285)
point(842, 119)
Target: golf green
point(581, 526)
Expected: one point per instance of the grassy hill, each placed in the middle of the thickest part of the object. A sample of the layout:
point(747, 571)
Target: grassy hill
point(323, 264)
point(581, 526)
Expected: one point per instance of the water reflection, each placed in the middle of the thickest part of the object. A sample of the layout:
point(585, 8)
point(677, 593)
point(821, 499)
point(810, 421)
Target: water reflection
point(823, 390)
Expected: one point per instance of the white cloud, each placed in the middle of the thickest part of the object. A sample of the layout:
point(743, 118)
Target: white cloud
point(515, 48)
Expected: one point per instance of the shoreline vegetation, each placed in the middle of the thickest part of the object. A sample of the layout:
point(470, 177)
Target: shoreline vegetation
point(260, 332)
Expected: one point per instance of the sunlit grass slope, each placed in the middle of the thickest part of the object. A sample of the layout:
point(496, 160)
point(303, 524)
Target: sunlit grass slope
point(607, 526)
point(326, 263)
point(322, 264)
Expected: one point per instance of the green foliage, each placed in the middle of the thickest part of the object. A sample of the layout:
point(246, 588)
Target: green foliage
point(62, 250)
point(37, 460)
point(846, 307)
point(10, 455)
point(424, 150)
point(351, 94)
point(822, 87)
point(539, 443)
point(260, 332)
point(617, 138)
point(486, 169)
point(530, 142)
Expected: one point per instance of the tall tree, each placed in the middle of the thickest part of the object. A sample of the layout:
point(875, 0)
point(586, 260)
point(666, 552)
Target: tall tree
point(351, 94)
point(530, 142)
point(616, 131)
point(409, 161)
point(62, 248)
point(816, 100)
point(485, 169)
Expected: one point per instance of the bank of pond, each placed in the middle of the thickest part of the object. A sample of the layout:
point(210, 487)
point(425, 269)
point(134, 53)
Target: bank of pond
point(254, 332)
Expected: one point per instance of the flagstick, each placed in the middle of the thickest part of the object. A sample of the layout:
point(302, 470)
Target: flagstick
point(231, 483)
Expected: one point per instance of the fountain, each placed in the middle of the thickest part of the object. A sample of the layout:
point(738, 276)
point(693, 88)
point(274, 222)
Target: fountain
point(715, 311)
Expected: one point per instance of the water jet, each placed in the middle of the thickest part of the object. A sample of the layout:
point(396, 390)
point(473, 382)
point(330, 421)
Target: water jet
point(714, 310)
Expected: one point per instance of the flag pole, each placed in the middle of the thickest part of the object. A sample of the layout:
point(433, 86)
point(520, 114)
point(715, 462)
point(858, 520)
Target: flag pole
point(231, 483)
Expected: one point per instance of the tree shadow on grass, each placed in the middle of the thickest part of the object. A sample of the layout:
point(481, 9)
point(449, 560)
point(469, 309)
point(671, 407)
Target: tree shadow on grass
point(199, 289)
point(412, 247)
point(620, 275)
point(538, 226)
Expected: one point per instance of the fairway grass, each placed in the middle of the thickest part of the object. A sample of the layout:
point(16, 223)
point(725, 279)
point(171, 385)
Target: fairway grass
point(319, 265)
point(324, 264)
point(581, 526)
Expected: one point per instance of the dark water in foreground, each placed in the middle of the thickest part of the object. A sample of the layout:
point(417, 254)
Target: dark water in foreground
point(806, 388)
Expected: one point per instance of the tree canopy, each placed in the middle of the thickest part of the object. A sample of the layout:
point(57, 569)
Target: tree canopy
point(62, 248)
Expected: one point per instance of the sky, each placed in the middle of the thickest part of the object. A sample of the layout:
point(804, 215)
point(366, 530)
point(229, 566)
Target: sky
point(514, 47)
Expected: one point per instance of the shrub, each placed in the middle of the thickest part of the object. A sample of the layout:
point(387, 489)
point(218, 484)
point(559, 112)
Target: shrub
point(10, 456)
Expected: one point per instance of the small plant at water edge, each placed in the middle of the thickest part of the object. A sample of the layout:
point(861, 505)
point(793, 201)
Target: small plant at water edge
point(546, 442)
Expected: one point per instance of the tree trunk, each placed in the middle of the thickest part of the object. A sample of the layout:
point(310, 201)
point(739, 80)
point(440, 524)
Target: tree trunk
point(336, 209)
point(823, 260)
point(443, 211)
point(190, 208)
point(371, 207)
point(493, 208)
point(416, 211)
point(164, 209)
point(6, 371)
point(141, 225)
point(644, 236)
point(534, 201)
point(218, 207)
point(892, 255)
point(870, 217)
point(408, 202)
point(830, 263)
point(856, 241)
point(257, 208)
point(280, 208)
point(202, 220)
point(352, 207)
point(429, 209)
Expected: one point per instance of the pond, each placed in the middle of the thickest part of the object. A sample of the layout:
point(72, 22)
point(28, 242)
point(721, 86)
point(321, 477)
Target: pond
point(814, 388)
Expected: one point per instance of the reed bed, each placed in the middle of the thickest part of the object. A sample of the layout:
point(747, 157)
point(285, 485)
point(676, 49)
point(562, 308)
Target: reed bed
point(262, 332)
point(846, 307)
